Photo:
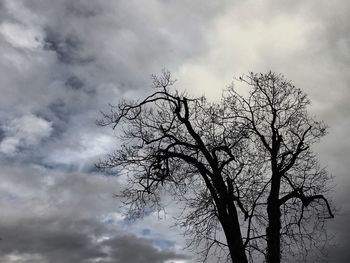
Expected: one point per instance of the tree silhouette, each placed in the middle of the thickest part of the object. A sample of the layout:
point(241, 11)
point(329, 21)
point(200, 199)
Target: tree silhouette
point(240, 166)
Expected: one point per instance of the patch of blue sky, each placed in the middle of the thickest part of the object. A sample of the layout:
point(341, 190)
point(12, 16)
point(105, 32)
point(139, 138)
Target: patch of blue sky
point(163, 243)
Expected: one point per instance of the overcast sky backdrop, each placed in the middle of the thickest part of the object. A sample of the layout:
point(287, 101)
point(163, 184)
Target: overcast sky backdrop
point(63, 61)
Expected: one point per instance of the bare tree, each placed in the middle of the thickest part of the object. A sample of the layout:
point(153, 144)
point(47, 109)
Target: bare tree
point(235, 165)
point(275, 117)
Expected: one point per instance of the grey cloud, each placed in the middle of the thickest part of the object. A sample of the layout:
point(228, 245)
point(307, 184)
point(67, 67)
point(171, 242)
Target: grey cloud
point(66, 49)
point(74, 82)
point(80, 9)
point(339, 251)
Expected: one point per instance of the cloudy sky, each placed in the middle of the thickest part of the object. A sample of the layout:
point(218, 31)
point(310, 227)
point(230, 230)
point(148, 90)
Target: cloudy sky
point(63, 61)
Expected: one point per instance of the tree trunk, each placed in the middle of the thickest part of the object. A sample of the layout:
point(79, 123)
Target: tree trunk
point(274, 225)
point(230, 224)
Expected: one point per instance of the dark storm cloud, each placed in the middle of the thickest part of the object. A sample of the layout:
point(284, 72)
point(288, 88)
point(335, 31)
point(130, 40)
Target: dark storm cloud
point(62, 221)
point(67, 240)
point(63, 242)
point(73, 241)
point(125, 247)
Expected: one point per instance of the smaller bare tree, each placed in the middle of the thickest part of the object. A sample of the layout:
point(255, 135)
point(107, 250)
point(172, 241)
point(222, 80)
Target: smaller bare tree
point(275, 117)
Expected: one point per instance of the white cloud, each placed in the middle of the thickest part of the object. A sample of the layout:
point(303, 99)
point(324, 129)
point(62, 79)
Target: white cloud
point(81, 149)
point(20, 36)
point(24, 131)
point(245, 38)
